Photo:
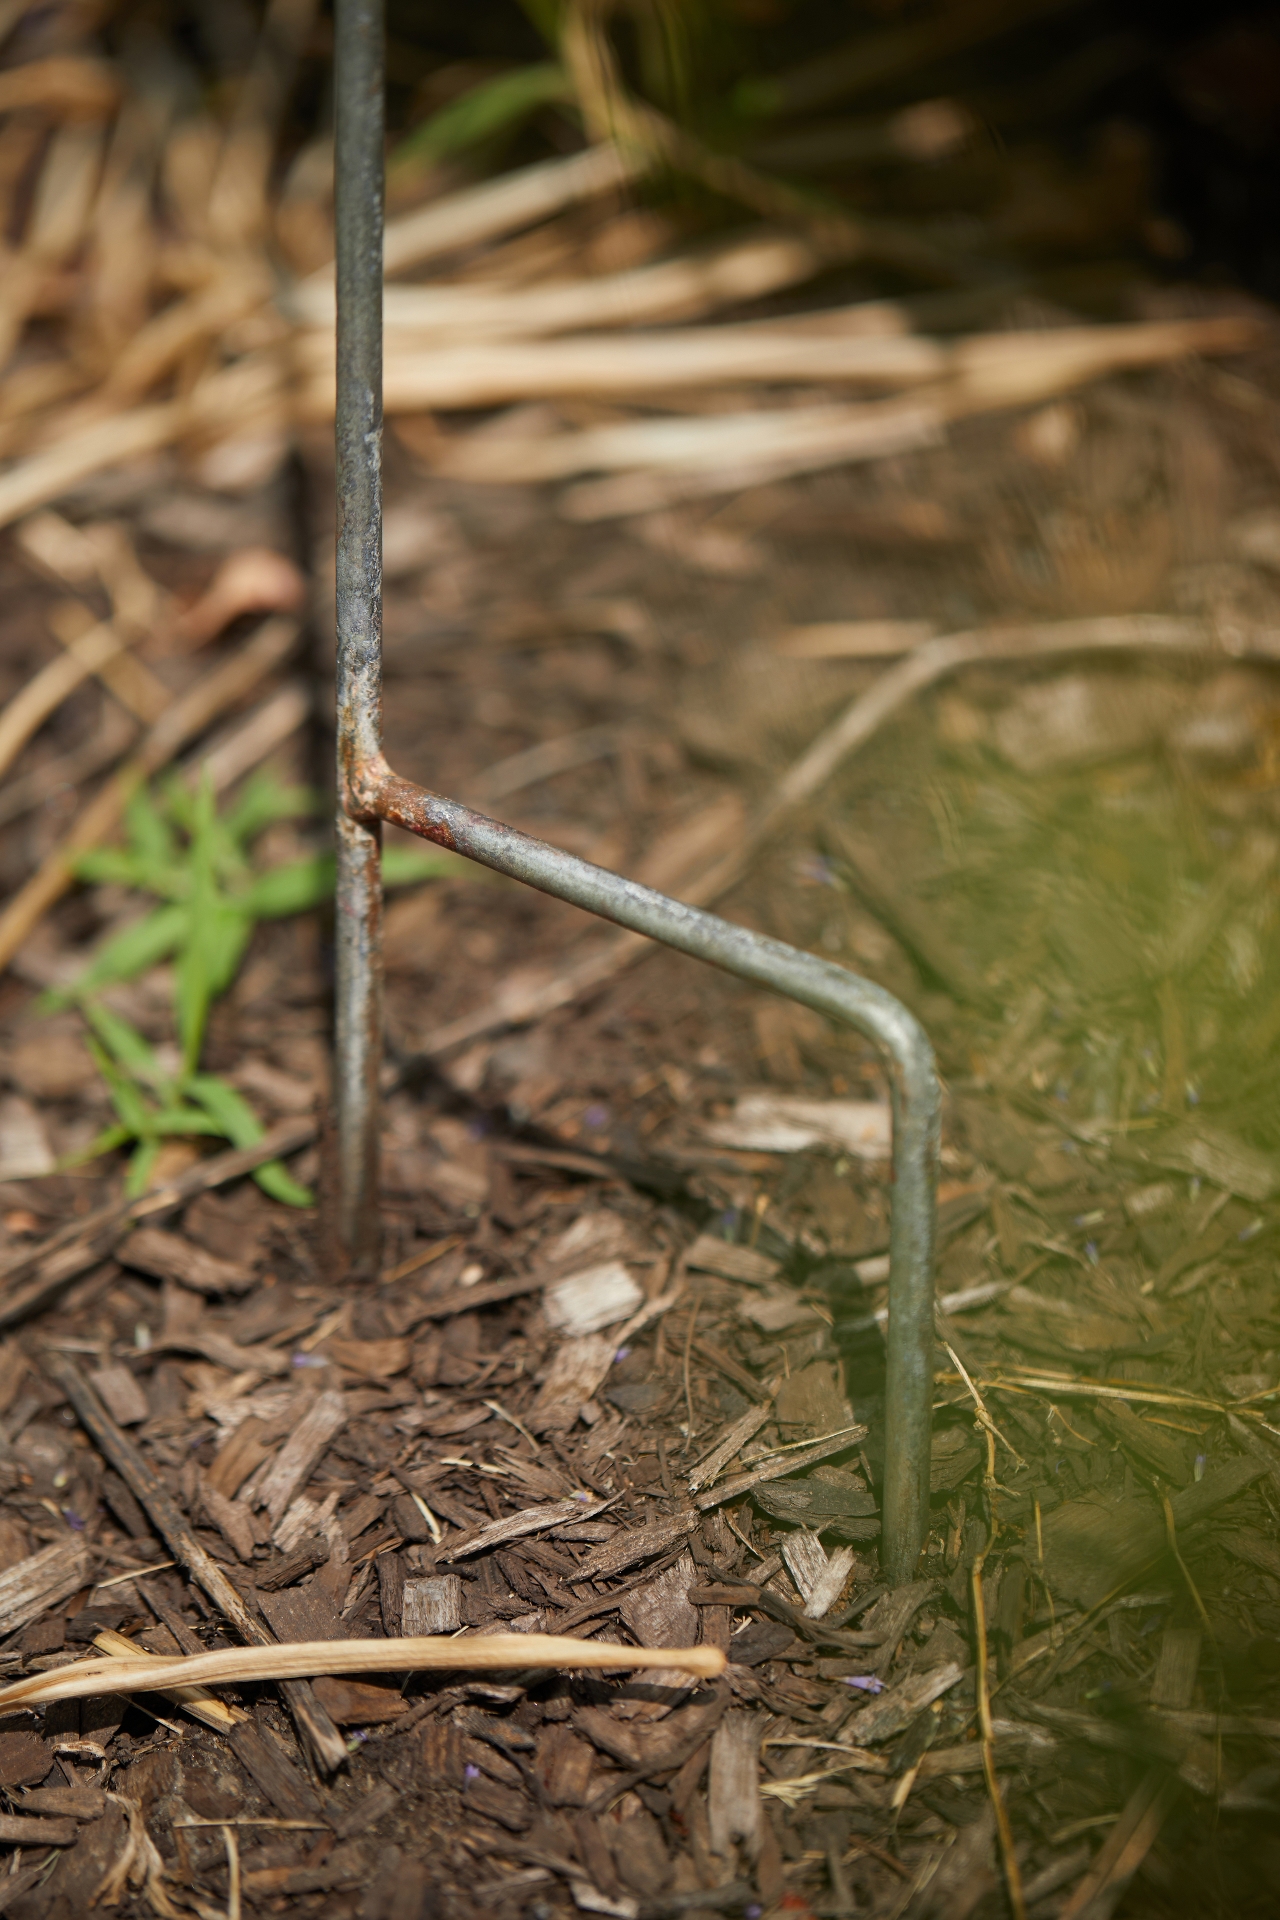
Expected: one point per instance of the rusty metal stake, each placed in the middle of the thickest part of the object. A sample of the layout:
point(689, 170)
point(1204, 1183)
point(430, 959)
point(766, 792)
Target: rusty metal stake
point(369, 793)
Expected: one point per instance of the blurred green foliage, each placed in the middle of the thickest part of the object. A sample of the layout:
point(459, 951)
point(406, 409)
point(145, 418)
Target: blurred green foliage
point(198, 864)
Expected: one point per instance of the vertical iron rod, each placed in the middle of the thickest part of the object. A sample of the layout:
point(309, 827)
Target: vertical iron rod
point(358, 194)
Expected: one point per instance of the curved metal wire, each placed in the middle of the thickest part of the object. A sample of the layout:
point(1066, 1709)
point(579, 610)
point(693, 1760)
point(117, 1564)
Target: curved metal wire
point(371, 793)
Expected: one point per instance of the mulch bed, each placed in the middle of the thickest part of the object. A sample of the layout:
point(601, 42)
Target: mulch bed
point(1116, 1191)
point(621, 1373)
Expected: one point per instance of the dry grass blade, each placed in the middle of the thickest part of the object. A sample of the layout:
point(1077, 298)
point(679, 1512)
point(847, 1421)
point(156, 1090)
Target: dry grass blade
point(1026, 1379)
point(1127, 1846)
point(500, 206)
point(1008, 1855)
point(232, 399)
point(45, 692)
point(198, 1701)
point(677, 289)
point(1171, 1535)
point(985, 372)
point(486, 1653)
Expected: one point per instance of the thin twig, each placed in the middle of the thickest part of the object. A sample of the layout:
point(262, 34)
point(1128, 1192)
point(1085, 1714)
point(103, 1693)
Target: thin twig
point(688, 1385)
point(1012, 1873)
point(1171, 1534)
point(231, 1841)
point(983, 1417)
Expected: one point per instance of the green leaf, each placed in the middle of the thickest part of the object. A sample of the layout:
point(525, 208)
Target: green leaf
point(406, 867)
point(235, 1117)
point(135, 950)
point(229, 935)
point(241, 1125)
point(275, 1179)
point(202, 954)
point(150, 835)
point(264, 801)
point(124, 1043)
point(303, 884)
point(138, 1177)
point(180, 1120)
point(114, 865)
point(180, 802)
point(547, 16)
point(105, 1142)
point(293, 888)
point(757, 99)
point(135, 1115)
point(494, 107)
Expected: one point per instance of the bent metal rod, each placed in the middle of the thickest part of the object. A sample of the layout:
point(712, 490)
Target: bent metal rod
point(369, 793)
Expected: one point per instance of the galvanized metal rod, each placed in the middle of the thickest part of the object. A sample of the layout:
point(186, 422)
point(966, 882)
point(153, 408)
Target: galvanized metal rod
point(815, 983)
point(370, 793)
point(358, 192)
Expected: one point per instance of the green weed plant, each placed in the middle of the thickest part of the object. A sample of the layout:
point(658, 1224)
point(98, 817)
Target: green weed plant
point(199, 865)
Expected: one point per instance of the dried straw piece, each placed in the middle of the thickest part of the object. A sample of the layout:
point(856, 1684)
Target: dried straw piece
point(66, 84)
point(726, 275)
point(501, 206)
point(239, 393)
point(484, 375)
point(987, 371)
point(54, 471)
point(687, 456)
point(986, 1731)
point(308, 1659)
point(45, 692)
point(198, 1701)
point(1126, 1847)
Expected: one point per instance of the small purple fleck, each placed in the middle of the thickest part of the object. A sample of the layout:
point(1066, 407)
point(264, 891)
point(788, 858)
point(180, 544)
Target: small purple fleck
point(817, 869)
point(478, 1127)
point(1193, 1096)
point(867, 1682)
point(622, 1354)
point(729, 1220)
point(581, 1494)
point(1091, 1252)
point(752, 1912)
point(470, 1771)
point(597, 1116)
point(73, 1519)
point(309, 1360)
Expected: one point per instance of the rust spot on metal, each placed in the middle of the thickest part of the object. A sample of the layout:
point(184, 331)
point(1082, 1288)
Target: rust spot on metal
point(411, 807)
